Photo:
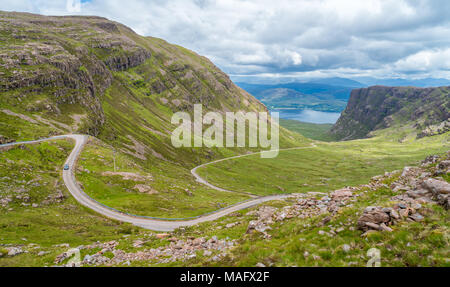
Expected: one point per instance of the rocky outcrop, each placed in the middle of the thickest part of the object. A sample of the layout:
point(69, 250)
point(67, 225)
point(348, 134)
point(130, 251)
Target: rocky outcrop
point(436, 186)
point(127, 60)
point(306, 206)
point(415, 188)
point(376, 218)
point(380, 107)
point(178, 249)
point(433, 130)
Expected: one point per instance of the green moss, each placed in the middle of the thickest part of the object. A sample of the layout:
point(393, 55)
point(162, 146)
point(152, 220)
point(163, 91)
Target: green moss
point(83, 69)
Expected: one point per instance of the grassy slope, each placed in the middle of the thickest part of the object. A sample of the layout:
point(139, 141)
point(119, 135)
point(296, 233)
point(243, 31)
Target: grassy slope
point(172, 199)
point(131, 112)
point(35, 169)
point(134, 110)
point(318, 132)
point(327, 167)
point(129, 109)
point(410, 244)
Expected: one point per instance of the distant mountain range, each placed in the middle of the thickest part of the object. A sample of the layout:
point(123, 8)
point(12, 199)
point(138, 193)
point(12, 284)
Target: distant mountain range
point(420, 83)
point(328, 95)
point(340, 82)
point(314, 96)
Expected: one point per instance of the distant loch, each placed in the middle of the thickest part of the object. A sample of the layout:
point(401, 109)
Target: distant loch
point(308, 116)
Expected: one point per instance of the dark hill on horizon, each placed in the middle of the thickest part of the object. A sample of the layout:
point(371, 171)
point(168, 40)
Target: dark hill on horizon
point(314, 96)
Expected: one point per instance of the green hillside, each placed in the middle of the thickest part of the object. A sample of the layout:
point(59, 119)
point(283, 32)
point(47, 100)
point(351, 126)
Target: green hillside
point(320, 132)
point(89, 75)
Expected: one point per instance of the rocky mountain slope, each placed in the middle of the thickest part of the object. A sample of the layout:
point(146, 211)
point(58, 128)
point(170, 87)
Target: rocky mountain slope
point(91, 75)
point(425, 110)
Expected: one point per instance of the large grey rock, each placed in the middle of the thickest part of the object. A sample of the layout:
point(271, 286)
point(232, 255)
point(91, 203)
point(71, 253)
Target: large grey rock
point(416, 217)
point(341, 193)
point(372, 218)
point(417, 193)
point(436, 186)
point(444, 165)
point(444, 200)
point(13, 251)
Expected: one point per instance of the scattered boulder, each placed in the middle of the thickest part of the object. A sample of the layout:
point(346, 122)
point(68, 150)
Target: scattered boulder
point(142, 188)
point(419, 189)
point(444, 165)
point(436, 186)
point(162, 235)
point(129, 176)
point(346, 248)
point(176, 250)
point(341, 193)
point(372, 218)
point(42, 253)
point(138, 243)
point(256, 225)
point(14, 251)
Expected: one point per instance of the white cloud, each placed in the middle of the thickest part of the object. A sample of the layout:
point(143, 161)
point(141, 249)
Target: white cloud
point(296, 58)
point(373, 37)
point(425, 61)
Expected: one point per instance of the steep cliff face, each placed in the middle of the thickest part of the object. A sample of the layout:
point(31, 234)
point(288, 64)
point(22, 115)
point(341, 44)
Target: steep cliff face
point(73, 60)
point(380, 107)
point(48, 64)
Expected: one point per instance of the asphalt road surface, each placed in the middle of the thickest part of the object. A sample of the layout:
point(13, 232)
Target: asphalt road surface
point(144, 222)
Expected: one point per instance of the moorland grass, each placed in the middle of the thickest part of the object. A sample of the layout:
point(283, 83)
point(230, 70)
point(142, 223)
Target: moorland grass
point(36, 170)
point(297, 242)
point(318, 132)
point(175, 192)
point(327, 167)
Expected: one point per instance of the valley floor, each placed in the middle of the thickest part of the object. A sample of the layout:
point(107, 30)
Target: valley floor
point(325, 167)
point(40, 221)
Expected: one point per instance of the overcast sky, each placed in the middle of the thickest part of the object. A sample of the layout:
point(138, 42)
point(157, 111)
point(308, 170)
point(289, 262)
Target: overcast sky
point(279, 38)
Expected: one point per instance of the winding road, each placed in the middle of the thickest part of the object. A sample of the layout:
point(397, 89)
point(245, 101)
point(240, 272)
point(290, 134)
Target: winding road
point(141, 221)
